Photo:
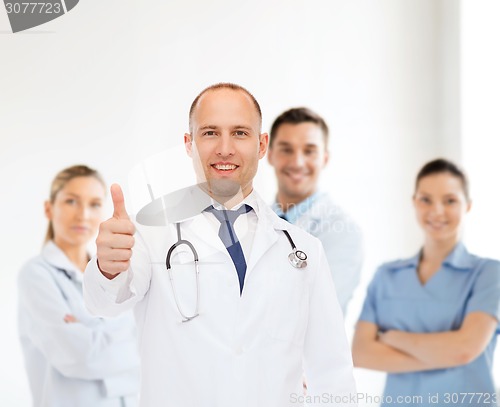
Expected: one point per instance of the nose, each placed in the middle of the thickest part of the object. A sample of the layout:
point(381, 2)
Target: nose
point(298, 160)
point(438, 208)
point(225, 146)
point(83, 212)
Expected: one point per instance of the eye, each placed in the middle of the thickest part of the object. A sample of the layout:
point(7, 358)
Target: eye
point(209, 133)
point(70, 201)
point(240, 133)
point(286, 150)
point(310, 152)
point(450, 201)
point(96, 205)
point(425, 200)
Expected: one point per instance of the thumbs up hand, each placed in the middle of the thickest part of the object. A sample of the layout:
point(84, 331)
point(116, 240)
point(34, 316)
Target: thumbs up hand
point(115, 239)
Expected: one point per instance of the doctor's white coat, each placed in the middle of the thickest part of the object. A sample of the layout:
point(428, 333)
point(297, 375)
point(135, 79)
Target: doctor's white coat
point(91, 362)
point(249, 350)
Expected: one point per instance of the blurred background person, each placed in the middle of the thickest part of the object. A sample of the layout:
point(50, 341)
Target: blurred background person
point(72, 358)
point(431, 321)
point(298, 151)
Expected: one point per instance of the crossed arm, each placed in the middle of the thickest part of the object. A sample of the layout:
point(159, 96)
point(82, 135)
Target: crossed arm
point(399, 351)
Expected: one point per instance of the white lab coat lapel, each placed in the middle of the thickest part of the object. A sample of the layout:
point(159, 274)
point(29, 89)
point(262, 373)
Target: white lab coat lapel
point(265, 235)
point(199, 229)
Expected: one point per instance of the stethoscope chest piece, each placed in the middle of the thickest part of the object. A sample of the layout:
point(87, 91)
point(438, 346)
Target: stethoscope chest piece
point(298, 259)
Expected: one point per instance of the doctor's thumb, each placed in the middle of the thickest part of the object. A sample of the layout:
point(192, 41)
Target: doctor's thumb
point(119, 211)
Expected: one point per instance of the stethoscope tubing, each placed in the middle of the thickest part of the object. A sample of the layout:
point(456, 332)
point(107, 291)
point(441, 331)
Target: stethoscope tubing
point(180, 242)
point(297, 259)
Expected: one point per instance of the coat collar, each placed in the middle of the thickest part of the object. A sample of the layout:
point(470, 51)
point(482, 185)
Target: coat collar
point(174, 207)
point(188, 203)
point(267, 232)
point(53, 255)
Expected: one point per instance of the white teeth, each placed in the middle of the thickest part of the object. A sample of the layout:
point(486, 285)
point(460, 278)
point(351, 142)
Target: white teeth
point(225, 167)
point(436, 225)
point(297, 177)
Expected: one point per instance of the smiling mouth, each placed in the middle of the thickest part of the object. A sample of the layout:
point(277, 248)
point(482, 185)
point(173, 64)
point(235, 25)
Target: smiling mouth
point(224, 167)
point(296, 175)
point(80, 228)
point(439, 225)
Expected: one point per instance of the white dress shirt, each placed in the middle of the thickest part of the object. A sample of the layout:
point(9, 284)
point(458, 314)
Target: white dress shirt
point(244, 226)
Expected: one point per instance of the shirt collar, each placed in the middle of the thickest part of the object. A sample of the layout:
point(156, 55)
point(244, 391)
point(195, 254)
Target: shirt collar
point(185, 204)
point(250, 200)
point(412, 262)
point(459, 259)
point(297, 210)
point(53, 255)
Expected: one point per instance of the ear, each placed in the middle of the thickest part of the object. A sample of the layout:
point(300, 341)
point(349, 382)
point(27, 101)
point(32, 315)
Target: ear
point(188, 144)
point(263, 144)
point(47, 206)
point(326, 158)
point(469, 206)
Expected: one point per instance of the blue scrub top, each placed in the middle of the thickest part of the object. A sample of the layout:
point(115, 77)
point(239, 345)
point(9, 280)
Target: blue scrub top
point(295, 211)
point(396, 299)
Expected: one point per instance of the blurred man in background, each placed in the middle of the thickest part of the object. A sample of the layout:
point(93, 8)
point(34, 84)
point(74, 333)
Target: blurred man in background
point(298, 151)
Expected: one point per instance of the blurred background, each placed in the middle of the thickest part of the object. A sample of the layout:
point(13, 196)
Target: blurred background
point(110, 84)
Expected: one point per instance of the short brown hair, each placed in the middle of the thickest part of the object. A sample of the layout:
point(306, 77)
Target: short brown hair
point(223, 85)
point(299, 115)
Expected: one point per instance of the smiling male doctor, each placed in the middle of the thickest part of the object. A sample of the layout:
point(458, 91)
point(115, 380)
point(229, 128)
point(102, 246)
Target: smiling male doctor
point(262, 322)
point(298, 151)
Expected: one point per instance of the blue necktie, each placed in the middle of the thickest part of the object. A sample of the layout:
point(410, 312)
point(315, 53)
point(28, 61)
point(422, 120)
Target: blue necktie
point(229, 238)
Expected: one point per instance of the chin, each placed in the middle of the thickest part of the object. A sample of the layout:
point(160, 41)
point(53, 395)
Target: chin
point(297, 193)
point(81, 242)
point(224, 187)
point(441, 236)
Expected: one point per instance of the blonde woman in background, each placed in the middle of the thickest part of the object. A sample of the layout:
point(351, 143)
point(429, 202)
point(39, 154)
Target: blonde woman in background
point(73, 359)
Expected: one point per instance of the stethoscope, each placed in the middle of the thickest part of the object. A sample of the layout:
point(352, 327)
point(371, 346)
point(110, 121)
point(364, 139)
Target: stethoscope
point(297, 259)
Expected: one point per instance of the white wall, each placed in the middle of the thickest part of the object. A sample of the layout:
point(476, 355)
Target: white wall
point(480, 107)
point(480, 104)
point(110, 85)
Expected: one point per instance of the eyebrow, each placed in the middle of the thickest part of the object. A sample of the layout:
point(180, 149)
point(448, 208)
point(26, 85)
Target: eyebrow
point(95, 198)
point(213, 127)
point(286, 144)
point(242, 127)
point(453, 194)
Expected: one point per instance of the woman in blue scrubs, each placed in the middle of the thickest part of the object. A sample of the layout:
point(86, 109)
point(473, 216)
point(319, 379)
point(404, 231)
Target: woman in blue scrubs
point(72, 358)
point(430, 321)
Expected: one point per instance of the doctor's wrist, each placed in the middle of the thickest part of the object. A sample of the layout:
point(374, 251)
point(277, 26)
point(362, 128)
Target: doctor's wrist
point(109, 276)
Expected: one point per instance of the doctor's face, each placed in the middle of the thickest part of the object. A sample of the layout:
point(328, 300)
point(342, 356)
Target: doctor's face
point(298, 155)
point(225, 143)
point(440, 205)
point(76, 211)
